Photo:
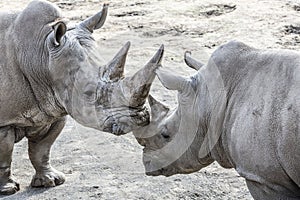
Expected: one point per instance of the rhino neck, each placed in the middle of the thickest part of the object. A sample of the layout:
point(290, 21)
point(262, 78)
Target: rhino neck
point(217, 98)
point(42, 90)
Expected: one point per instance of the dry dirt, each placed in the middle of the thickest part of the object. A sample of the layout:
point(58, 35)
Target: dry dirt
point(101, 166)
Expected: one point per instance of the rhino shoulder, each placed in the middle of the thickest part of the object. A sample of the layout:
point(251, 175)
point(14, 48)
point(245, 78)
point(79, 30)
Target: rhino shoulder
point(38, 13)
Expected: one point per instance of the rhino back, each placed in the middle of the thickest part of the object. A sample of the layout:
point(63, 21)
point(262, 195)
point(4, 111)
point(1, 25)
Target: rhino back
point(261, 128)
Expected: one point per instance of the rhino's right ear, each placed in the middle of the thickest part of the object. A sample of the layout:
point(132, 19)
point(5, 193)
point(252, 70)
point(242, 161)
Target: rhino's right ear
point(97, 21)
point(191, 62)
point(60, 30)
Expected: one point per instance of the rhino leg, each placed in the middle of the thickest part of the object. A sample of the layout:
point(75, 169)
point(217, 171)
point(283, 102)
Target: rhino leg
point(7, 139)
point(39, 154)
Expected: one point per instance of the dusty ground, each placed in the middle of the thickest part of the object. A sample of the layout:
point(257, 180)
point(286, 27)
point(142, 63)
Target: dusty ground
point(101, 166)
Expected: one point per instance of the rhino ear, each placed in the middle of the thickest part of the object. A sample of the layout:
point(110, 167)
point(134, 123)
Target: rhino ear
point(171, 81)
point(97, 21)
point(158, 110)
point(60, 30)
point(191, 62)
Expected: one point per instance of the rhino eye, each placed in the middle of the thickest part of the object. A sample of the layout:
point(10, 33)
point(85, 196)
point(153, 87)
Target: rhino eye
point(89, 92)
point(164, 134)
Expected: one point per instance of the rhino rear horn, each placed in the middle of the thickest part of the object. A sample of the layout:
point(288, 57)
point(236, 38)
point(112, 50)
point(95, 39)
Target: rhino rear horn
point(142, 80)
point(191, 62)
point(158, 109)
point(97, 21)
point(114, 70)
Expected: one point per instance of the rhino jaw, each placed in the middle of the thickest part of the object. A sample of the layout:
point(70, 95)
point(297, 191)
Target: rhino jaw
point(155, 168)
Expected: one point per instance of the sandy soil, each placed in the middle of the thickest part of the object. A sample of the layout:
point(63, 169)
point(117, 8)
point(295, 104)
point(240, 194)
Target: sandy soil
point(101, 166)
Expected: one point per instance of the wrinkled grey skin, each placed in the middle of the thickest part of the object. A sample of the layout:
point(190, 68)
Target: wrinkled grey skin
point(255, 130)
point(49, 70)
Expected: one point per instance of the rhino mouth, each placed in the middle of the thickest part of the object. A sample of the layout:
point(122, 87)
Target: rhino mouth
point(159, 172)
point(120, 124)
point(155, 167)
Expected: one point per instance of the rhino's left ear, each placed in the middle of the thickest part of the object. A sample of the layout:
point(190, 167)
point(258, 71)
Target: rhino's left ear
point(171, 81)
point(97, 21)
point(60, 30)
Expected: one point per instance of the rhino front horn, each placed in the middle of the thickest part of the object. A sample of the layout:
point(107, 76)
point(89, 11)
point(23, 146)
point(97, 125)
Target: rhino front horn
point(114, 70)
point(97, 21)
point(141, 81)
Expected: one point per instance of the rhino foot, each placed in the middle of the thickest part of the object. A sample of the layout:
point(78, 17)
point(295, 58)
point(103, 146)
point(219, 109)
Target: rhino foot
point(10, 187)
point(48, 178)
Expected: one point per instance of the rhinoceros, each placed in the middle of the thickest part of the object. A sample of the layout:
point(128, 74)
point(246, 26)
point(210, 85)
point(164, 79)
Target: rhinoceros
point(48, 70)
point(241, 109)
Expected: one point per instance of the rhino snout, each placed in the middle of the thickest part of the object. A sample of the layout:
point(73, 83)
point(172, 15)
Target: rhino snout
point(122, 123)
point(165, 171)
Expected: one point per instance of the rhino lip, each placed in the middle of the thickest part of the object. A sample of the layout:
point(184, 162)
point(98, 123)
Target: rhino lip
point(153, 173)
point(114, 128)
point(160, 172)
point(117, 129)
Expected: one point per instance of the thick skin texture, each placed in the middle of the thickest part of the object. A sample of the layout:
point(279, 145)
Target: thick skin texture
point(49, 70)
point(242, 109)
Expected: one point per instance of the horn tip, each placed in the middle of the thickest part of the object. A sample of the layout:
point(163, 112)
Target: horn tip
point(162, 47)
point(105, 7)
point(188, 52)
point(160, 53)
point(128, 44)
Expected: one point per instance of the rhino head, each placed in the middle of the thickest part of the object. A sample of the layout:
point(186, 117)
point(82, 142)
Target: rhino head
point(176, 141)
point(64, 62)
point(99, 97)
